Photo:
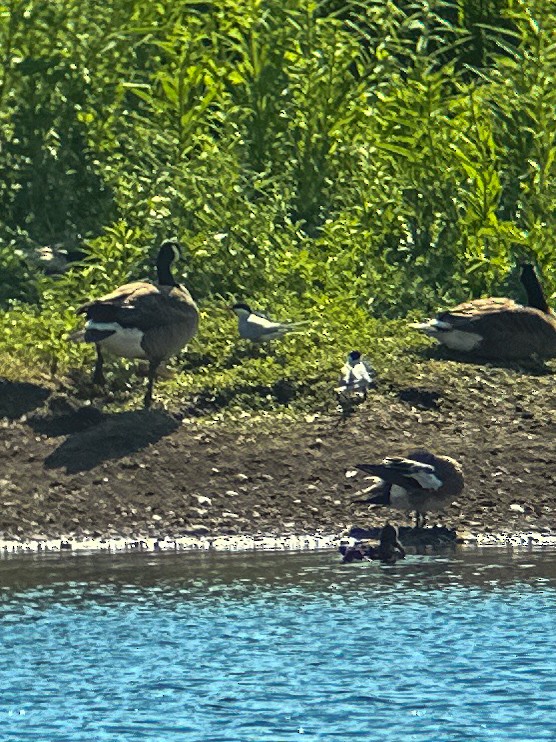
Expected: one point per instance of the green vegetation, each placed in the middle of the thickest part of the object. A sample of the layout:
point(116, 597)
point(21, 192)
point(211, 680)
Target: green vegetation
point(352, 163)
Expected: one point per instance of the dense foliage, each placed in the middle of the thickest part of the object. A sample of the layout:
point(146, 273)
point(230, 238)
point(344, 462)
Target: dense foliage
point(348, 162)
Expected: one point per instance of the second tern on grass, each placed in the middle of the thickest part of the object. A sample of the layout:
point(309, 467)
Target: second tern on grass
point(258, 328)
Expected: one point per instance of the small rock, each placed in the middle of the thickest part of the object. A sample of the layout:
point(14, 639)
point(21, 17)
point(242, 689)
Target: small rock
point(317, 443)
point(202, 500)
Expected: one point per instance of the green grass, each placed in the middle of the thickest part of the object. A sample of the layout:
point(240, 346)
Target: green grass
point(354, 164)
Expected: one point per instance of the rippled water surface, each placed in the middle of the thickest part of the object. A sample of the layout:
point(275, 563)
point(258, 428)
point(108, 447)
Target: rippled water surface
point(278, 647)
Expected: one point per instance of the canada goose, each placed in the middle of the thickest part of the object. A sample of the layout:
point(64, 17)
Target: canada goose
point(499, 328)
point(357, 375)
point(257, 328)
point(422, 482)
point(142, 319)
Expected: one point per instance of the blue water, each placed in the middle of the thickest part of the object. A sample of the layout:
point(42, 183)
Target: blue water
point(278, 647)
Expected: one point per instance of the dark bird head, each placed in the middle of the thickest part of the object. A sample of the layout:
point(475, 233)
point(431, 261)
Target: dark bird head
point(388, 535)
point(241, 308)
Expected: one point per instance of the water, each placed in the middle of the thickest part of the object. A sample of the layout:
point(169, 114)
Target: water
point(278, 647)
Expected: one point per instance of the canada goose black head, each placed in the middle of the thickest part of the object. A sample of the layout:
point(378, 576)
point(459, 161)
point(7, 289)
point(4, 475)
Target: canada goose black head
point(533, 288)
point(169, 252)
point(390, 548)
point(388, 535)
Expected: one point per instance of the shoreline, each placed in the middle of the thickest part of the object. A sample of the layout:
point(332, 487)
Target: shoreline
point(248, 543)
point(127, 481)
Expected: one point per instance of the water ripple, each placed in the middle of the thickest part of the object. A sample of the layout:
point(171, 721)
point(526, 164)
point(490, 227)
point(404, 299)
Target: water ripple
point(278, 648)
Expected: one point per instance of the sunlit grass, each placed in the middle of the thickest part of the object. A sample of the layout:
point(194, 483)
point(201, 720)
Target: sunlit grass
point(339, 163)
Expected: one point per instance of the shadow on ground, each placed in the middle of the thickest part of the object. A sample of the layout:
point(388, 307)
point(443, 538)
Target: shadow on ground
point(281, 392)
point(18, 398)
point(532, 366)
point(117, 435)
point(67, 423)
point(423, 399)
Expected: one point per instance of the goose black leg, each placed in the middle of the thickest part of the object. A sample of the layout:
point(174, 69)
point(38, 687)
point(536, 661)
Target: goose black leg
point(153, 366)
point(419, 520)
point(98, 374)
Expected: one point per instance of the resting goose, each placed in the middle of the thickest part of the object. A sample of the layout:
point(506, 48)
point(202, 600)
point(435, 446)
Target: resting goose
point(142, 319)
point(257, 328)
point(423, 482)
point(499, 328)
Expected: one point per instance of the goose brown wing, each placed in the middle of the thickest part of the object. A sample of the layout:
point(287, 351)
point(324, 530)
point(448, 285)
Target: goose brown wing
point(101, 309)
point(145, 306)
point(511, 332)
point(472, 311)
point(161, 307)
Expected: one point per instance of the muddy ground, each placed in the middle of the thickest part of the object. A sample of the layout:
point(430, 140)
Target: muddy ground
point(68, 469)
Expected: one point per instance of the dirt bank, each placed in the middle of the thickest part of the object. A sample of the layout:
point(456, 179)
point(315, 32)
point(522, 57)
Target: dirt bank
point(67, 469)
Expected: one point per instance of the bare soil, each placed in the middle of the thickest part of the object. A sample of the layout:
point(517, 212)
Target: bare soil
point(71, 470)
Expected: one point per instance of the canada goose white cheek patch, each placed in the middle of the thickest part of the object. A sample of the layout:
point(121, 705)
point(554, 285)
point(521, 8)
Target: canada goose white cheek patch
point(124, 342)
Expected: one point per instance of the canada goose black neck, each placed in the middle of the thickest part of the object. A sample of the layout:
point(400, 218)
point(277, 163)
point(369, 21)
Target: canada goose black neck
point(166, 255)
point(532, 285)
